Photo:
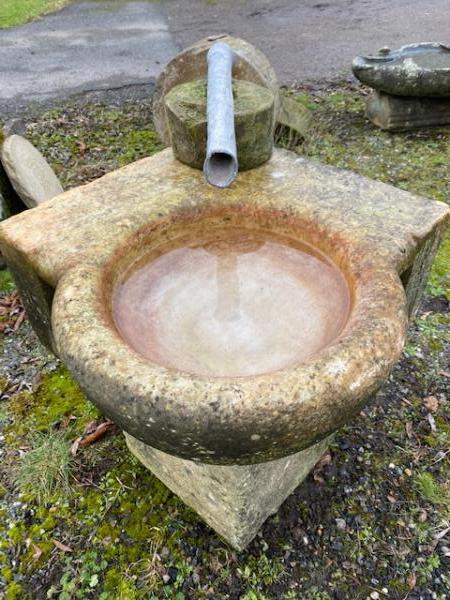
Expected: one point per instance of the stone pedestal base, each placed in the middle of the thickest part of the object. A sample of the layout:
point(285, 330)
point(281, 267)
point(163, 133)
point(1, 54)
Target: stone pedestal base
point(401, 113)
point(234, 500)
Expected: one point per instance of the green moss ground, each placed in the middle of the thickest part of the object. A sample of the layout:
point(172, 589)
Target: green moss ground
point(372, 521)
point(17, 12)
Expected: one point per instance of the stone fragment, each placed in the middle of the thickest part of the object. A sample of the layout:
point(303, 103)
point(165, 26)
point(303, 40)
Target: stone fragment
point(30, 174)
point(191, 64)
point(402, 113)
point(253, 116)
point(294, 121)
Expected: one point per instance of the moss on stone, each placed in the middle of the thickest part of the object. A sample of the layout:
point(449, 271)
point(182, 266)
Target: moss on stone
point(253, 109)
point(439, 282)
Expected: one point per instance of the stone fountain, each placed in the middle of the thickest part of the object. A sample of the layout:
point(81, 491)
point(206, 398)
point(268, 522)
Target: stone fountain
point(229, 331)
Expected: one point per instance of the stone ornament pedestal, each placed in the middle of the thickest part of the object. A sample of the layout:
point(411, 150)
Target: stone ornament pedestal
point(403, 113)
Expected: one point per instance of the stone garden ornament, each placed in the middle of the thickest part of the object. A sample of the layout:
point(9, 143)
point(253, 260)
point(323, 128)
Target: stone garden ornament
point(229, 331)
point(412, 85)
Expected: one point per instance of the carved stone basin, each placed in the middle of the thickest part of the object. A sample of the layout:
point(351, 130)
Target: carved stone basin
point(216, 325)
point(231, 302)
point(227, 332)
point(413, 70)
point(224, 337)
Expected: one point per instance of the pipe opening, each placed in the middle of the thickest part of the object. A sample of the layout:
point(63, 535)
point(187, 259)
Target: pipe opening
point(220, 169)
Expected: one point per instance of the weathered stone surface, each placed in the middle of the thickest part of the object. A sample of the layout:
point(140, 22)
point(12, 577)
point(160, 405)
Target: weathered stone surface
point(29, 173)
point(4, 210)
point(191, 64)
point(402, 113)
point(234, 501)
point(10, 201)
point(294, 122)
point(253, 119)
point(81, 242)
point(413, 70)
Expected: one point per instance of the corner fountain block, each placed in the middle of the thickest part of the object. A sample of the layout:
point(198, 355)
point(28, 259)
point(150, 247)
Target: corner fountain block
point(253, 117)
point(233, 447)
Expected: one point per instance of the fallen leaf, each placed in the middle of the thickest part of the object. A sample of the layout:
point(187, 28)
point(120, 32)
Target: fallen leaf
point(99, 432)
point(81, 147)
point(431, 403)
point(442, 534)
point(75, 445)
point(324, 460)
point(37, 552)
point(320, 465)
point(444, 373)
point(423, 516)
point(411, 580)
point(67, 419)
point(19, 321)
point(91, 427)
point(431, 421)
point(409, 430)
point(62, 546)
point(392, 499)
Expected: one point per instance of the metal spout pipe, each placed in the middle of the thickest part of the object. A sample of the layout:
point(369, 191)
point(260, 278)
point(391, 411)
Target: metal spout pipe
point(221, 164)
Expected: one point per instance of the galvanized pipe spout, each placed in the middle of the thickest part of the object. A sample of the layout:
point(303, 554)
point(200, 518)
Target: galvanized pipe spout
point(221, 164)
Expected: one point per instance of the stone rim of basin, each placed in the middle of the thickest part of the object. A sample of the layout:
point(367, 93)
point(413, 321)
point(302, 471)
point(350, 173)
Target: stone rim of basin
point(408, 71)
point(232, 420)
point(60, 252)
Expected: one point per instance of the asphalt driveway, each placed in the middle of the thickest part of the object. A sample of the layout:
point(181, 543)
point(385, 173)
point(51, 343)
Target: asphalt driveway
point(99, 45)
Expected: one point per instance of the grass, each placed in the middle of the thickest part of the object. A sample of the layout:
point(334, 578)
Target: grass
point(17, 12)
point(45, 468)
point(432, 491)
point(6, 281)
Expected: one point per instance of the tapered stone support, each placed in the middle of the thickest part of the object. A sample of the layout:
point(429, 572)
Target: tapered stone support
point(234, 500)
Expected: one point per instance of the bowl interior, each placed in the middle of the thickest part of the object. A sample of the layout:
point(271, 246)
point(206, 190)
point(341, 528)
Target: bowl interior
point(230, 301)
